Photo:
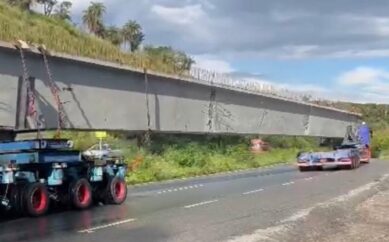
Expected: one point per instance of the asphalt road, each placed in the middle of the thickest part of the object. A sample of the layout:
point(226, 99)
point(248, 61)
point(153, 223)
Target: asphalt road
point(216, 208)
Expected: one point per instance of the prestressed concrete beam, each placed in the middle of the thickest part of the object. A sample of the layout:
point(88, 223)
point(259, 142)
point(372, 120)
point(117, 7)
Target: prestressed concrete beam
point(101, 95)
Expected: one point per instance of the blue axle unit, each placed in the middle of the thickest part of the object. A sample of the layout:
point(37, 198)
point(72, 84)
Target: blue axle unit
point(34, 173)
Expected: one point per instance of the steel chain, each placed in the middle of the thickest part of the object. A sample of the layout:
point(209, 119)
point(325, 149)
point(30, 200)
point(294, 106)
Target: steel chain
point(55, 92)
point(31, 108)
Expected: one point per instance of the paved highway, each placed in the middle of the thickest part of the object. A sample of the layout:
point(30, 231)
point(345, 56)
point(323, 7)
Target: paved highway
point(217, 208)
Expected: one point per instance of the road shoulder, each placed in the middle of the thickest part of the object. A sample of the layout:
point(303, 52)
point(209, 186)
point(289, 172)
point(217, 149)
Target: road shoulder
point(360, 215)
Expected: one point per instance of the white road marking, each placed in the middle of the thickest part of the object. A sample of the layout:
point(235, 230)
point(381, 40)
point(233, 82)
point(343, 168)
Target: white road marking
point(91, 230)
point(308, 178)
point(254, 191)
point(180, 188)
point(288, 183)
point(201, 204)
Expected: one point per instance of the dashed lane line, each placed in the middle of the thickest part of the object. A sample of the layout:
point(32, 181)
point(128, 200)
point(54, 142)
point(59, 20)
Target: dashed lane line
point(201, 203)
point(288, 183)
point(253, 191)
point(308, 178)
point(93, 229)
point(178, 189)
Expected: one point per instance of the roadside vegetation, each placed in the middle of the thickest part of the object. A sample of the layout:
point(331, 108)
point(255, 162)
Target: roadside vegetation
point(377, 117)
point(175, 156)
point(172, 156)
point(54, 28)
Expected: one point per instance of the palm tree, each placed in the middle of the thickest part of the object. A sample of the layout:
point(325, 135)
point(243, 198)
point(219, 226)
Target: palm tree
point(93, 18)
point(132, 34)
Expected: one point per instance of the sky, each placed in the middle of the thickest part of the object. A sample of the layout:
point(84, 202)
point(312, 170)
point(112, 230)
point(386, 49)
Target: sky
point(336, 49)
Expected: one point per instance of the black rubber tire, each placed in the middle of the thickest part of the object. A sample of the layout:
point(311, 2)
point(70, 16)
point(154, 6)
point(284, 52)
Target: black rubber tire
point(116, 191)
point(35, 199)
point(16, 199)
point(80, 192)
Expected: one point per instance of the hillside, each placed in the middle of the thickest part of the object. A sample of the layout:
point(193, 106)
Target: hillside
point(61, 36)
point(376, 115)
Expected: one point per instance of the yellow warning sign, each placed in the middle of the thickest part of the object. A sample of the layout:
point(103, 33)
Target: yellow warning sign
point(101, 134)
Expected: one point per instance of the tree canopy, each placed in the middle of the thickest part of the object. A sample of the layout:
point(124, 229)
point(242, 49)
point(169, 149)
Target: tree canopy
point(93, 18)
point(62, 10)
point(127, 38)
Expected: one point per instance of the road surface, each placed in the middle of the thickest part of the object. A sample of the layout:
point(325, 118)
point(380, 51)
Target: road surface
point(217, 208)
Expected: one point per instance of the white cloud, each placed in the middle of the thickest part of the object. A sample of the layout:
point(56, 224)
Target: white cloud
point(363, 76)
point(260, 82)
point(365, 84)
point(185, 15)
point(213, 63)
point(375, 92)
point(379, 88)
point(270, 29)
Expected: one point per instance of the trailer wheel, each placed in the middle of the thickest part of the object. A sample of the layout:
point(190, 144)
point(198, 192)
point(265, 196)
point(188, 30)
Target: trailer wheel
point(36, 199)
point(81, 193)
point(16, 198)
point(116, 191)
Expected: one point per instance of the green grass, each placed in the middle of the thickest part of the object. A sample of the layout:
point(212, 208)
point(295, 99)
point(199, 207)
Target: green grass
point(61, 36)
point(380, 144)
point(162, 167)
point(177, 156)
point(173, 156)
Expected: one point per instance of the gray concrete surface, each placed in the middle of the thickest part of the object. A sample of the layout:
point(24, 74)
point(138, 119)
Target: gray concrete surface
point(8, 100)
point(246, 206)
point(100, 95)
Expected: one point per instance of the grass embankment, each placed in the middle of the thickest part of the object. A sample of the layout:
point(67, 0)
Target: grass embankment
point(380, 144)
point(61, 36)
point(169, 157)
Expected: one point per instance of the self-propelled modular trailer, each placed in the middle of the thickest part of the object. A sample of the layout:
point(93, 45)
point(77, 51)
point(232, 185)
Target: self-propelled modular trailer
point(37, 173)
point(354, 150)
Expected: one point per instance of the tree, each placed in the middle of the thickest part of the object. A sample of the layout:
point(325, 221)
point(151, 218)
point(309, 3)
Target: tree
point(93, 18)
point(183, 61)
point(132, 34)
point(24, 5)
point(48, 6)
point(114, 35)
point(178, 60)
point(62, 10)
